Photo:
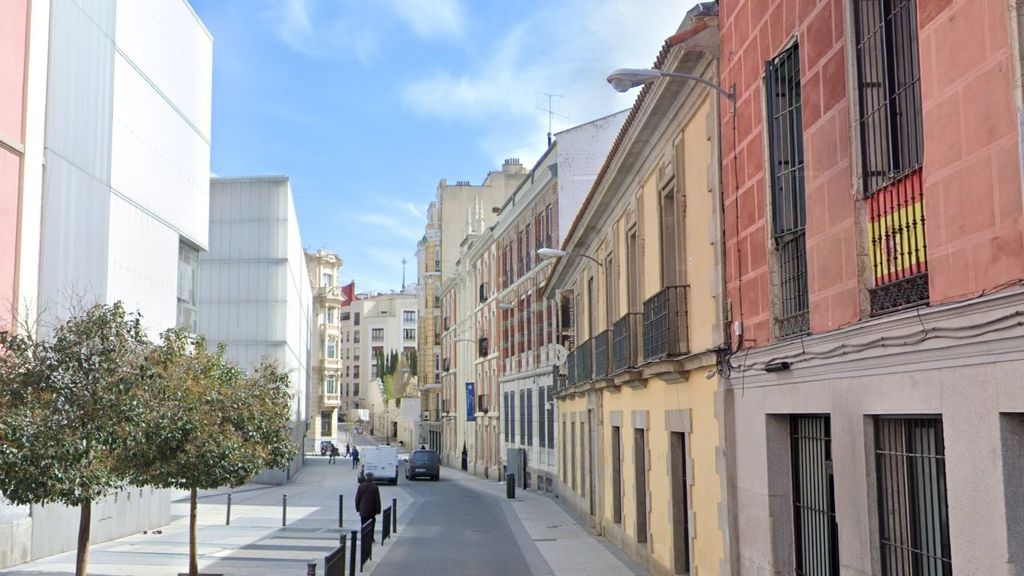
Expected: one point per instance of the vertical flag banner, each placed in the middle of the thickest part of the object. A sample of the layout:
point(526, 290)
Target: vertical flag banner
point(470, 402)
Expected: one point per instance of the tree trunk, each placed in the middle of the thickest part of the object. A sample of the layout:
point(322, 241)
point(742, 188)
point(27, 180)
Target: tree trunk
point(84, 524)
point(193, 561)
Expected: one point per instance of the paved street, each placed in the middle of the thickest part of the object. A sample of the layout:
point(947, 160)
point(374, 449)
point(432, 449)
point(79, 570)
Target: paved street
point(461, 525)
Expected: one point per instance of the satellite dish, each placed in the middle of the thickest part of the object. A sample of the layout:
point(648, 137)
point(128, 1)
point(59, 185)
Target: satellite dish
point(560, 354)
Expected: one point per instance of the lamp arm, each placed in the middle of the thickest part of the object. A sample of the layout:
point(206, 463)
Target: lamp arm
point(731, 95)
point(587, 256)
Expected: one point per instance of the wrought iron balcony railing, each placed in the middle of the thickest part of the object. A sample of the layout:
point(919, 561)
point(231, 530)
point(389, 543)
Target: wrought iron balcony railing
point(570, 369)
point(585, 362)
point(602, 354)
point(665, 324)
point(625, 342)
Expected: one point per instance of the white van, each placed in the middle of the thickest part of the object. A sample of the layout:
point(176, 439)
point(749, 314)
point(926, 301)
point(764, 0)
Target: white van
point(381, 461)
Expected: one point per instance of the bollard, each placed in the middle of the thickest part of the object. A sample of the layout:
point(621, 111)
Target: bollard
point(510, 486)
point(284, 509)
point(340, 509)
point(394, 515)
point(228, 520)
point(311, 569)
point(352, 555)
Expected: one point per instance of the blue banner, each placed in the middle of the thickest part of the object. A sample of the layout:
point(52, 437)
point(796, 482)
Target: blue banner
point(470, 402)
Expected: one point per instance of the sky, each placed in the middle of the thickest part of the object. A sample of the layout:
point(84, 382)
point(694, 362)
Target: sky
point(367, 104)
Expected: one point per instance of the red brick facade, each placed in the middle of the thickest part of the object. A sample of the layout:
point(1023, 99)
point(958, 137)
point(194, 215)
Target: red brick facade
point(971, 171)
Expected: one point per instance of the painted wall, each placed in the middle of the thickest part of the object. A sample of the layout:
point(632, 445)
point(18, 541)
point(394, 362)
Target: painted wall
point(254, 291)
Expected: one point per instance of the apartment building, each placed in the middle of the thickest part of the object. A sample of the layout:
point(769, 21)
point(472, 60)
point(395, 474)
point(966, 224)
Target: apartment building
point(874, 263)
point(328, 404)
point(254, 292)
point(641, 432)
point(437, 252)
point(374, 324)
point(536, 216)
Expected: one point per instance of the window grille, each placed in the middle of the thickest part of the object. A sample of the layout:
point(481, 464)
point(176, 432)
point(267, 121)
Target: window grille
point(913, 517)
point(814, 505)
point(789, 211)
point(892, 150)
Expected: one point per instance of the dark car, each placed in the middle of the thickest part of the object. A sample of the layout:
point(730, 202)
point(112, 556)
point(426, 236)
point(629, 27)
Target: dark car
point(423, 464)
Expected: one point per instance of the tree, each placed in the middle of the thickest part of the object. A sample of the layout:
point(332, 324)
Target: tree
point(210, 424)
point(70, 409)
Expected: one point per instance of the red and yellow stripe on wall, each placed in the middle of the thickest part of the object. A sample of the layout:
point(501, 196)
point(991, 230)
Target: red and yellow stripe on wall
point(896, 234)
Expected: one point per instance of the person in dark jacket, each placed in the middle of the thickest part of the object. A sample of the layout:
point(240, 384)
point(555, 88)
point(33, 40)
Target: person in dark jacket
point(355, 457)
point(368, 503)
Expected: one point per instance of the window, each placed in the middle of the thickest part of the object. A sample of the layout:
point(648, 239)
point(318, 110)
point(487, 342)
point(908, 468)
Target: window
point(355, 371)
point(332, 347)
point(330, 315)
point(640, 470)
point(325, 423)
point(325, 279)
point(814, 507)
point(617, 474)
point(355, 337)
point(572, 459)
point(377, 334)
point(565, 467)
point(332, 384)
point(506, 416)
point(188, 284)
point(512, 412)
point(892, 151)
point(522, 417)
point(409, 334)
point(355, 390)
point(543, 427)
point(789, 213)
point(345, 316)
point(437, 301)
point(529, 417)
point(409, 316)
point(551, 418)
point(348, 371)
point(913, 517)
point(355, 318)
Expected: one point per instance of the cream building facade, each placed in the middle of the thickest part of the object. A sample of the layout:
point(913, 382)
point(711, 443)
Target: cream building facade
point(641, 408)
point(327, 404)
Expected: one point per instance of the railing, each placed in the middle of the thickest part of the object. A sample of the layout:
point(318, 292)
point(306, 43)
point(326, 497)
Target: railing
point(385, 529)
point(602, 354)
point(625, 338)
point(334, 563)
point(366, 546)
point(570, 369)
point(330, 399)
point(665, 324)
point(585, 362)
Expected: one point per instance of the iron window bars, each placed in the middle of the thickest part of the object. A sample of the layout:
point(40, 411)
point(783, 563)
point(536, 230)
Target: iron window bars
point(665, 324)
point(913, 517)
point(814, 501)
point(892, 150)
point(789, 210)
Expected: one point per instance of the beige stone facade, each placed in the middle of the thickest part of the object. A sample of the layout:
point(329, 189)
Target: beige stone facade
point(327, 405)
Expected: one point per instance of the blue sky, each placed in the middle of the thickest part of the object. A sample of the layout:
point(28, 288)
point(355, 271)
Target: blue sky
point(367, 104)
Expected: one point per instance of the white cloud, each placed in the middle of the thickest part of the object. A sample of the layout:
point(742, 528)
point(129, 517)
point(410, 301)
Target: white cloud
point(391, 225)
point(566, 48)
point(430, 19)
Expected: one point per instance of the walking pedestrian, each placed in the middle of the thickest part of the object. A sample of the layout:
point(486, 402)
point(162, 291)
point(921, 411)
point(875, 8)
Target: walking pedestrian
point(368, 504)
point(355, 457)
point(348, 450)
point(334, 455)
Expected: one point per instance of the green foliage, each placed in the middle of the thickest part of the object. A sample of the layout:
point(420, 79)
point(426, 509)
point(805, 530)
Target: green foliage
point(71, 407)
point(211, 425)
point(413, 361)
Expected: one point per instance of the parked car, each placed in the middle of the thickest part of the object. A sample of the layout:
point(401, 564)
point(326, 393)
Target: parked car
point(423, 464)
point(381, 461)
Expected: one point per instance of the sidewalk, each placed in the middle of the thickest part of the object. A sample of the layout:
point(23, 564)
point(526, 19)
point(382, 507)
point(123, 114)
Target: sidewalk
point(255, 544)
point(567, 546)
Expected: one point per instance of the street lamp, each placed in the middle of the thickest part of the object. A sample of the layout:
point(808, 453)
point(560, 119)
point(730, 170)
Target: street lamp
point(625, 79)
point(547, 253)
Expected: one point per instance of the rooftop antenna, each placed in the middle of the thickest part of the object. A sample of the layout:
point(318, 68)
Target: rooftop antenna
point(551, 110)
point(403, 274)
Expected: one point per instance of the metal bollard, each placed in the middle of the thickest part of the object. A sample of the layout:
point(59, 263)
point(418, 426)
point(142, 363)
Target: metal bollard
point(311, 569)
point(352, 555)
point(341, 508)
point(510, 486)
point(227, 522)
point(284, 509)
point(394, 515)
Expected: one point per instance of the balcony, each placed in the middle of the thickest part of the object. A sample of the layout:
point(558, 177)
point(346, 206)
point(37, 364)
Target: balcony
point(330, 400)
point(665, 325)
point(585, 362)
point(602, 354)
point(570, 370)
point(483, 347)
point(625, 341)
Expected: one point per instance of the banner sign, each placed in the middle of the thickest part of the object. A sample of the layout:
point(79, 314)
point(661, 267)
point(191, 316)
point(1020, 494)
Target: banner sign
point(470, 402)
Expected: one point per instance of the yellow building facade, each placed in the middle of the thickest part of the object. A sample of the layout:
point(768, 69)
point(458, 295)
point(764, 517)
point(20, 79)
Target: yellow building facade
point(640, 408)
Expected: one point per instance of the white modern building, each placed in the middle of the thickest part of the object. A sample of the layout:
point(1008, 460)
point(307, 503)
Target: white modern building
point(122, 212)
point(372, 324)
point(254, 291)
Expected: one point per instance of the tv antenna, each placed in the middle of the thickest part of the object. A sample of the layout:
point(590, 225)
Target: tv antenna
point(551, 110)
